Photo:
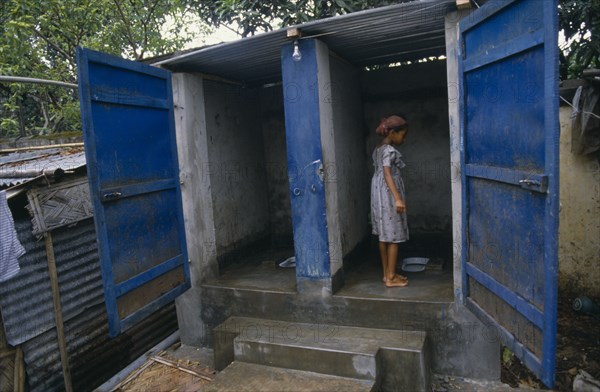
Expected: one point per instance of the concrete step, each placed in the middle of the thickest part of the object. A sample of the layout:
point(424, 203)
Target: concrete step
point(241, 376)
point(394, 360)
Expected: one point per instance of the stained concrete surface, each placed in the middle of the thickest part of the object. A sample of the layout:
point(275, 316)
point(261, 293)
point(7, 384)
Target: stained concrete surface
point(363, 271)
point(396, 358)
point(363, 274)
point(256, 287)
point(365, 281)
point(259, 271)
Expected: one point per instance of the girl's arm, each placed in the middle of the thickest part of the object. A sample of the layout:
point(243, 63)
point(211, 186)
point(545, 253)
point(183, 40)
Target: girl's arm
point(398, 202)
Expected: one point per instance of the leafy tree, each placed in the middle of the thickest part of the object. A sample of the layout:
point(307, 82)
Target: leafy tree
point(253, 16)
point(580, 22)
point(38, 38)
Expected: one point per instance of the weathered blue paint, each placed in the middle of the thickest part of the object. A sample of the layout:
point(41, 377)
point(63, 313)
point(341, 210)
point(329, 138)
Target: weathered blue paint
point(509, 154)
point(524, 307)
point(146, 276)
point(551, 120)
point(304, 154)
point(128, 124)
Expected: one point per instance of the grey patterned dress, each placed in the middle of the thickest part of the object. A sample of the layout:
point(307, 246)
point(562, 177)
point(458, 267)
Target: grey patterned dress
point(389, 225)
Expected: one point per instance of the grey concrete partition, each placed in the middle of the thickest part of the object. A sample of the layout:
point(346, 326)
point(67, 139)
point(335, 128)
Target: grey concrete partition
point(192, 147)
point(347, 183)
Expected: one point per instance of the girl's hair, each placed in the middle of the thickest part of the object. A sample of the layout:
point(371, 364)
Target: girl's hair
point(391, 123)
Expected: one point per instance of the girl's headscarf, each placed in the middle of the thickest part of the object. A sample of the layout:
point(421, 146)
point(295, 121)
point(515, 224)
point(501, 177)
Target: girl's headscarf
point(389, 123)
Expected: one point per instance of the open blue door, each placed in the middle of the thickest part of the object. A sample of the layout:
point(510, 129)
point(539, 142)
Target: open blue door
point(129, 133)
point(509, 138)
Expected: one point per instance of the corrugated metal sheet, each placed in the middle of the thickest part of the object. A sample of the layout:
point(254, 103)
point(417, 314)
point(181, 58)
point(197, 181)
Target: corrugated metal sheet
point(27, 310)
point(406, 31)
point(38, 161)
point(93, 356)
point(26, 300)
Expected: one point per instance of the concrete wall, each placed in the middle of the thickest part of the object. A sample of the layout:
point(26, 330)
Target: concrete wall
point(349, 170)
point(235, 165)
point(273, 130)
point(579, 225)
point(451, 26)
point(192, 149)
point(420, 93)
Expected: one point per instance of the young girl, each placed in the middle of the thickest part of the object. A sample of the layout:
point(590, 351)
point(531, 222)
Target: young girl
point(388, 208)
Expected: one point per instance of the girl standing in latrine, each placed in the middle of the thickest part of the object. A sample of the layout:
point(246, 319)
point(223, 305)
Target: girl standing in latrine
point(388, 202)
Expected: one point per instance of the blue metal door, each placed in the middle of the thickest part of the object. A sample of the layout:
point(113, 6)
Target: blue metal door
point(509, 151)
point(129, 133)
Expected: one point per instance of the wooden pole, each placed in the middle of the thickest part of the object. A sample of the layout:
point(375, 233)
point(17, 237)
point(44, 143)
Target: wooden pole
point(45, 147)
point(463, 4)
point(60, 332)
point(19, 371)
point(8, 353)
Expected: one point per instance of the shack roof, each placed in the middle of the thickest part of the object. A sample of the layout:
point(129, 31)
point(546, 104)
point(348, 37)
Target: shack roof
point(407, 31)
point(21, 167)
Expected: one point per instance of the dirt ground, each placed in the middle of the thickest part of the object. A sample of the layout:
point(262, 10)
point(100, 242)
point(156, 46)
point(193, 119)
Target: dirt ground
point(578, 348)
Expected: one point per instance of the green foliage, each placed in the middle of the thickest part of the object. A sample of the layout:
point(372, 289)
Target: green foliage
point(38, 39)
point(253, 16)
point(580, 22)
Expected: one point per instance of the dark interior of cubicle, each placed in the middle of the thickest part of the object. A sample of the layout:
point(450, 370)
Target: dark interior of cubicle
point(248, 168)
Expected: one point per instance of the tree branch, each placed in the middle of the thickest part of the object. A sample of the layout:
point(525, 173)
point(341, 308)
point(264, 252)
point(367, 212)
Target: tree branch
point(129, 33)
point(145, 26)
point(66, 55)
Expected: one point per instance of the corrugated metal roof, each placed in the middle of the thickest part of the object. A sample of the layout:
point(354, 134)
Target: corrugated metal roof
point(407, 31)
point(38, 162)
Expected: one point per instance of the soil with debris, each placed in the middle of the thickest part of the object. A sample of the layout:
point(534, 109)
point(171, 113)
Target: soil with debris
point(578, 348)
point(179, 368)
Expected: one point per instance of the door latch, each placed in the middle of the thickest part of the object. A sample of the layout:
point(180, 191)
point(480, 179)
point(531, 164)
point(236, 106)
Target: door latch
point(540, 184)
point(529, 182)
point(111, 196)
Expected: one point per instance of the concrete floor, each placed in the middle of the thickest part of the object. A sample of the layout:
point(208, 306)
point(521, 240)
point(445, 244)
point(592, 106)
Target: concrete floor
point(362, 277)
point(259, 272)
point(364, 281)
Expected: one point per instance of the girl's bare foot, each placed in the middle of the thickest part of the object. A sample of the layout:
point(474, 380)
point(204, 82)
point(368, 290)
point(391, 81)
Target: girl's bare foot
point(396, 281)
point(396, 276)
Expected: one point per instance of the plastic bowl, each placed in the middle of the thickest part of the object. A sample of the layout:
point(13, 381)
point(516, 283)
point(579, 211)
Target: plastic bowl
point(414, 264)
